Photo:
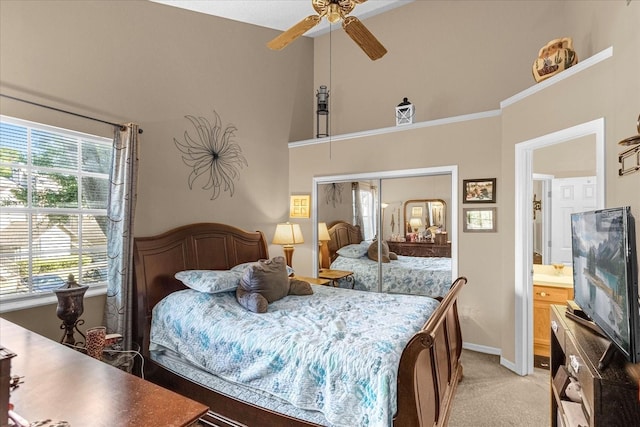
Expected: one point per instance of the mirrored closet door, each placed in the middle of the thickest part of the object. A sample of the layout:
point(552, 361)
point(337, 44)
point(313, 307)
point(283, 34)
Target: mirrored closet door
point(388, 233)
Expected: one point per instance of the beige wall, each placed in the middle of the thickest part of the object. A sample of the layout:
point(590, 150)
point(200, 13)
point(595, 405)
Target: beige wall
point(570, 159)
point(161, 63)
point(153, 64)
point(43, 319)
point(429, 147)
point(484, 58)
point(448, 57)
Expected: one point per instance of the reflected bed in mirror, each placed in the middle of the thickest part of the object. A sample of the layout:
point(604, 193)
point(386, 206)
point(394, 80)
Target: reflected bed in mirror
point(430, 276)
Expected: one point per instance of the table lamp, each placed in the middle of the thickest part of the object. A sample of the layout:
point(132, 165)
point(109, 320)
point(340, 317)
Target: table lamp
point(415, 224)
point(287, 235)
point(323, 238)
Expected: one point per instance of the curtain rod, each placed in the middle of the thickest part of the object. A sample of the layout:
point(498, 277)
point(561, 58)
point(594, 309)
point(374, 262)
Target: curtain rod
point(121, 126)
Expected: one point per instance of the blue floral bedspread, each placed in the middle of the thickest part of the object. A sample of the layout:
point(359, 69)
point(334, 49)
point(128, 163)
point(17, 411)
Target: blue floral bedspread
point(406, 275)
point(336, 351)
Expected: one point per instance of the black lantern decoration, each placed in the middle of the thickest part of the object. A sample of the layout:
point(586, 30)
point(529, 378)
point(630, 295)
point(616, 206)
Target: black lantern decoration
point(404, 112)
point(70, 308)
point(323, 111)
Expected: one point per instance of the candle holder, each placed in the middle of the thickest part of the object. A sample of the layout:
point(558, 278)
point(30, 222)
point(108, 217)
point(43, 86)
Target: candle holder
point(70, 308)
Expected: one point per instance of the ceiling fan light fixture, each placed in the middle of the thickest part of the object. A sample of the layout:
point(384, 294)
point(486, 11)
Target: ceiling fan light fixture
point(334, 10)
point(333, 15)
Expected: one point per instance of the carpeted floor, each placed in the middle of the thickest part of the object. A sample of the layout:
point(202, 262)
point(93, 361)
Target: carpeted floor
point(490, 395)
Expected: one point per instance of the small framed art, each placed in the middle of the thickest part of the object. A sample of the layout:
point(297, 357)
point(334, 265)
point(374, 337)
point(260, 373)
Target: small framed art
point(300, 206)
point(479, 190)
point(479, 220)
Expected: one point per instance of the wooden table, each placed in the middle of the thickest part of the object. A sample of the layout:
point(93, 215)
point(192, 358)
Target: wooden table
point(337, 275)
point(62, 384)
point(313, 280)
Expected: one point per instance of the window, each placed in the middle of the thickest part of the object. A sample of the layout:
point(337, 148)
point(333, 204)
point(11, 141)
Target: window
point(54, 186)
point(367, 204)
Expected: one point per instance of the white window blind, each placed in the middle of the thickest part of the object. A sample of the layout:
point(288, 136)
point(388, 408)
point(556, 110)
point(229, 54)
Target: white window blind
point(54, 187)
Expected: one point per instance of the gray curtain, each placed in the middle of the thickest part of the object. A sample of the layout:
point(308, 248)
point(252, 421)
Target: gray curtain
point(120, 213)
point(357, 206)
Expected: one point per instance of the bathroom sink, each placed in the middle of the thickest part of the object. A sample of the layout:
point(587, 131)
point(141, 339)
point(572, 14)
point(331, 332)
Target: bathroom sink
point(551, 276)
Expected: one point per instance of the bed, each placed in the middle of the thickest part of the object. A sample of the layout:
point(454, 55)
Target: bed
point(429, 276)
point(428, 360)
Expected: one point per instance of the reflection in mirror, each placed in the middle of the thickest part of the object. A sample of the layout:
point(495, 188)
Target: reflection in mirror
point(354, 202)
point(425, 217)
point(353, 210)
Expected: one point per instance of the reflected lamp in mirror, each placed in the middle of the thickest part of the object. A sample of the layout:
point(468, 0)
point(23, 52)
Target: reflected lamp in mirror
point(415, 224)
point(323, 238)
point(287, 235)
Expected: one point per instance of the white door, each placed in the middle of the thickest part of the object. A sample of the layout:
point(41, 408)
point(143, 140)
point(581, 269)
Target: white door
point(568, 195)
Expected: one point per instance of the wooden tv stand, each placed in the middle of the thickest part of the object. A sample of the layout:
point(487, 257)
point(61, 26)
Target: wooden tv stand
point(609, 396)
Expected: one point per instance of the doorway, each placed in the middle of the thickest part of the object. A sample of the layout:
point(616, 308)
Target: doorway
point(524, 226)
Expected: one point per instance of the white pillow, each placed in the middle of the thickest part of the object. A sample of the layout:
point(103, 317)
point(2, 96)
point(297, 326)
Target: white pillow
point(244, 265)
point(356, 250)
point(210, 281)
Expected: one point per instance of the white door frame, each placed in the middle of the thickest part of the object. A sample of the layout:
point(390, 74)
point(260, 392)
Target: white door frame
point(524, 227)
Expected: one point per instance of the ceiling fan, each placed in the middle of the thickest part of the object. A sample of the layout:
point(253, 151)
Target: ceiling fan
point(334, 10)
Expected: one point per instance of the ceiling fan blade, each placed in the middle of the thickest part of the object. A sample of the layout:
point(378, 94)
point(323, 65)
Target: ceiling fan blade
point(363, 37)
point(294, 32)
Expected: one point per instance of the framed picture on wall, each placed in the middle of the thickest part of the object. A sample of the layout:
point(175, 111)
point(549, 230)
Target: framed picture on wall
point(479, 220)
point(481, 190)
point(300, 206)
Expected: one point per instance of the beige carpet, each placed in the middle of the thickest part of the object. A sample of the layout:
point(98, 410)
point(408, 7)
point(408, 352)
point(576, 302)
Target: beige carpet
point(491, 395)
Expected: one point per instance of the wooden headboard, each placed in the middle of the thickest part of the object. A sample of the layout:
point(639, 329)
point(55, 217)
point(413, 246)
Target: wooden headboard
point(342, 234)
point(203, 246)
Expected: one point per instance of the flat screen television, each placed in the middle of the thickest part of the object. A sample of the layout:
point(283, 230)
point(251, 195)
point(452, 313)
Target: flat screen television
point(605, 275)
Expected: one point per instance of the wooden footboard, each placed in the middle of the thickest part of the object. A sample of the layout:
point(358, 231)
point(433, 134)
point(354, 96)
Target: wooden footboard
point(429, 367)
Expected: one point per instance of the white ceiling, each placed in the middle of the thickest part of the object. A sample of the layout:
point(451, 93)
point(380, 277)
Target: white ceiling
point(277, 14)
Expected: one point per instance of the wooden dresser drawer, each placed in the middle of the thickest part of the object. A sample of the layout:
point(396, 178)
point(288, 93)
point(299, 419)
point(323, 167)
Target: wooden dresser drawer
point(551, 294)
point(583, 372)
point(420, 249)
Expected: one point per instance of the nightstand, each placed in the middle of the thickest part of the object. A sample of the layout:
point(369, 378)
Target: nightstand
point(336, 275)
point(313, 280)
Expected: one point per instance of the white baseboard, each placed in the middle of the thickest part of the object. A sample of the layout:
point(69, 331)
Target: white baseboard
point(508, 364)
point(481, 348)
point(490, 350)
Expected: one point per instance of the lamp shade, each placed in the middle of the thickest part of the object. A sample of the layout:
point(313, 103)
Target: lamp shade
point(323, 232)
point(415, 223)
point(288, 234)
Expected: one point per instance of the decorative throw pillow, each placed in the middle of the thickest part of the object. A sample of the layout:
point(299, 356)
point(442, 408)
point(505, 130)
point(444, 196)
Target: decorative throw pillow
point(299, 287)
point(266, 281)
point(244, 265)
point(355, 250)
point(372, 252)
point(210, 281)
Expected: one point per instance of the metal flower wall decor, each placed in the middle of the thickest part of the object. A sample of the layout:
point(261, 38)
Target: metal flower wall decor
point(212, 155)
point(333, 193)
